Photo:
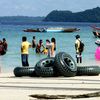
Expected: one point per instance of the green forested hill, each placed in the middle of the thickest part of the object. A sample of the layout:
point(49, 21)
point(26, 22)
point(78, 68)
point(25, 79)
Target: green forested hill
point(90, 15)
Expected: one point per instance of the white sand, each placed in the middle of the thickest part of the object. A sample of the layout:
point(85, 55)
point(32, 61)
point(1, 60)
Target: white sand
point(19, 88)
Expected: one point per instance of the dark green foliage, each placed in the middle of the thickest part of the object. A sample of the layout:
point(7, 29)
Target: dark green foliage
point(91, 15)
point(19, 19)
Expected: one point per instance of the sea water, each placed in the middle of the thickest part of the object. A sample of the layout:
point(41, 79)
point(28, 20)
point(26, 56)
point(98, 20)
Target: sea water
point(64, 41)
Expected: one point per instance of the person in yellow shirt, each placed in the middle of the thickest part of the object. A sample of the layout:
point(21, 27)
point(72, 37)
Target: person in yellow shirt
point(24, 51)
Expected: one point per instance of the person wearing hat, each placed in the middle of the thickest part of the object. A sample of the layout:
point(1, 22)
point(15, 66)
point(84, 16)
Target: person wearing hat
point(77, 47)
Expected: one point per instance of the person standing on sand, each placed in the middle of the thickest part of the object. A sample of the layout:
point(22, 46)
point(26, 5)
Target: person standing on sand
point(24, 51)
point(78, 49)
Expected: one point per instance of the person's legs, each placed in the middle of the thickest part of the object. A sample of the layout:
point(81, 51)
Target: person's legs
point(23, 59)
point(80, 58)
point(27, 64)
point(48, 55)
point(77, 58)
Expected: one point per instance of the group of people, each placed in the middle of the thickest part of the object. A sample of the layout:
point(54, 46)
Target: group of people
point(39, 47)
point(3, 46)
point(48, 49)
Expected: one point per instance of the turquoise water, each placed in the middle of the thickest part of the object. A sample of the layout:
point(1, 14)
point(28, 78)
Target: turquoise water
point(65, 42)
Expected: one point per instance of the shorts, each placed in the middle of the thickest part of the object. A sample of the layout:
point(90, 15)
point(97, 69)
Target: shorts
point(78, 55)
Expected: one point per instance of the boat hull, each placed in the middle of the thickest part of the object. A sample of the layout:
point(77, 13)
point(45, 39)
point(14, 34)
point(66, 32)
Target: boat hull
point(96, 31)
point(71, 30)
point(56, 30)
point(96, 35)
point(34, 30)
point(97, 42)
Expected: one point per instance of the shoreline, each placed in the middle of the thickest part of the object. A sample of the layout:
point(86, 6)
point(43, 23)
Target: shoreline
point(84, 63)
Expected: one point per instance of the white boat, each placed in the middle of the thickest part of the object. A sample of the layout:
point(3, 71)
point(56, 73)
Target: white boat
point(54, 29)
point(60, 29)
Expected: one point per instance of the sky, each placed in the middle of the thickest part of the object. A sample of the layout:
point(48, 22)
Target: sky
point(43, 7)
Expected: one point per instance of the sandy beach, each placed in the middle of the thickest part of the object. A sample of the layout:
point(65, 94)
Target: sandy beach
point(20, 88)
point(60, 22)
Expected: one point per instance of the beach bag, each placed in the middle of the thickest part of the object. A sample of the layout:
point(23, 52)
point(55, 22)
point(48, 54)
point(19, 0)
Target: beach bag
point(81, 48)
